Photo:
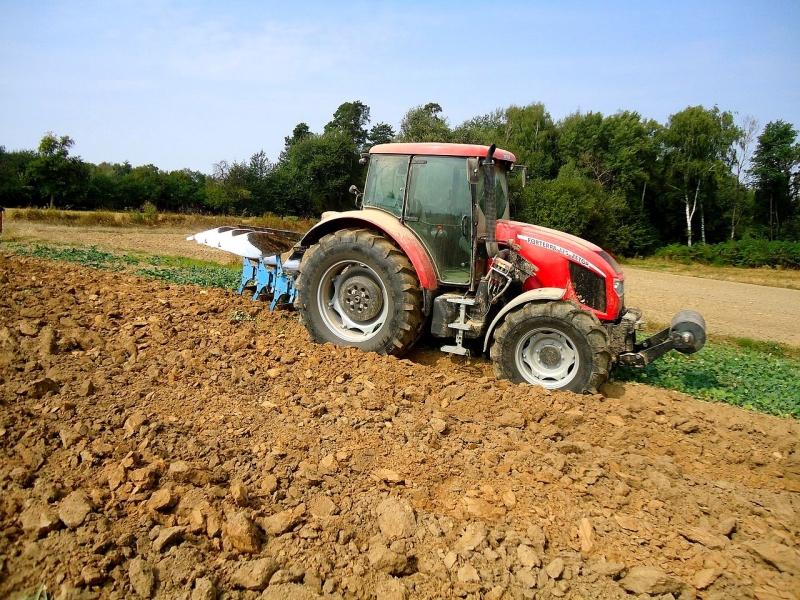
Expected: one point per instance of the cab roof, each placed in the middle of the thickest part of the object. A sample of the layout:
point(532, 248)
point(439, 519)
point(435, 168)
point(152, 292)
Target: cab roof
point(441, 149)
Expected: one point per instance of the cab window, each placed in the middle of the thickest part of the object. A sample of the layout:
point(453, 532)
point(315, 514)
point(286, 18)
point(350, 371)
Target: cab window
point(386, 183)
point(500, 192)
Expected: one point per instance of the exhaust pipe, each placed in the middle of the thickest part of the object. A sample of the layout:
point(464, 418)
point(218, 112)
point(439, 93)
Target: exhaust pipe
point(491, 202)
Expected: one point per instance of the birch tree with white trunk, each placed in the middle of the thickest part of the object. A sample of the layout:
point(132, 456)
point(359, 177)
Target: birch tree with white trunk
point(697, 141)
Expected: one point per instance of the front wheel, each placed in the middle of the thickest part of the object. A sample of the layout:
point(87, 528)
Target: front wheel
point(357, 289)
point(556, 345)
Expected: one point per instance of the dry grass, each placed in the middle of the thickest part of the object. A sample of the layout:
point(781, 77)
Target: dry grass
point(782, 278)
point(155, 220)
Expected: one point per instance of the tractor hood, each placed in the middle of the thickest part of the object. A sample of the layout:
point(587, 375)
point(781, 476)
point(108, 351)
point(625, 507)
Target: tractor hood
point(569, 262)
point(541, 241)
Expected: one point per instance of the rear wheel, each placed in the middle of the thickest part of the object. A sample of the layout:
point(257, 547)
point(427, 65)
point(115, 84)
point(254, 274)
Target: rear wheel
point(556, 345)
point(357, 289)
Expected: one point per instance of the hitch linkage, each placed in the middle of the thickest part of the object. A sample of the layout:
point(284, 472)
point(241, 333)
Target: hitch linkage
point(686, 334)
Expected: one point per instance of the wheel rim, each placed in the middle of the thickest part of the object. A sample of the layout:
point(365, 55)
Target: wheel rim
point(547, 357)
point(347, 301)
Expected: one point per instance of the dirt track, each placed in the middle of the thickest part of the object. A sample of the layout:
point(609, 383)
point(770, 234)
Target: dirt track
point(159, 441)
point(735, 309)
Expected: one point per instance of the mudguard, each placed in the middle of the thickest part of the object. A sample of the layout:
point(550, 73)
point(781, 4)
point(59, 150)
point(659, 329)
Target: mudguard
point(388, 224)
point(530, 296)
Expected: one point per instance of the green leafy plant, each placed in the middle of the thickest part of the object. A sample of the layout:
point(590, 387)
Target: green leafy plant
point(218, 277)
point(181, 261)
point(91, 257)
point(719, 373)
point(239, 316)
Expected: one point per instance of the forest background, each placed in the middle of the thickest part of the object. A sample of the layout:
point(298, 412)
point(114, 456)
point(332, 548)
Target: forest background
point(628, 183)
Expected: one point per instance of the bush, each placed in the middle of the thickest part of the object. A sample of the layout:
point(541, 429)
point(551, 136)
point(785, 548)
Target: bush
point(150, 212)
point(147, 216)
point(574, 204)
point(747, 253)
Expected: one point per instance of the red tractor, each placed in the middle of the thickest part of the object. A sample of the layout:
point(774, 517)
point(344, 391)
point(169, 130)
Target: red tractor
point(432, 248)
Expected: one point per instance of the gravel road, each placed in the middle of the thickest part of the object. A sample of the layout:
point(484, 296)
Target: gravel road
point(736, 309)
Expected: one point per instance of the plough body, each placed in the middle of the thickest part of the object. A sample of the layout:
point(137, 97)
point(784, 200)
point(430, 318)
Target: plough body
point(273, 274)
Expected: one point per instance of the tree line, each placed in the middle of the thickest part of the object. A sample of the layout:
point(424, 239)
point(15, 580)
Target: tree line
point(626, 182)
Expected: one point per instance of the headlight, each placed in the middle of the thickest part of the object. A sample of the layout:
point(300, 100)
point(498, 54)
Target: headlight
point(619, 287)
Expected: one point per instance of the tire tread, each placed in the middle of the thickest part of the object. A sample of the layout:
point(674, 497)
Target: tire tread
point(404, 286)
point(569, 311)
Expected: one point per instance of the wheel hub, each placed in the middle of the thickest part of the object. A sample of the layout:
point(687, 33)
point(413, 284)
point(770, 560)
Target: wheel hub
point(549, 356)
point(360, 298)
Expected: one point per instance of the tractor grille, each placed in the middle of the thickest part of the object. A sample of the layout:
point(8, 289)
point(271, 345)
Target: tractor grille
point(589, 287)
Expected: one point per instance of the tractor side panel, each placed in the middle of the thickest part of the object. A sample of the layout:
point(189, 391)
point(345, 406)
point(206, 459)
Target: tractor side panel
point(390, 226)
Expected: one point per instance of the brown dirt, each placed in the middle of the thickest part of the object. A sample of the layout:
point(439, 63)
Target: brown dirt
point(177, 442)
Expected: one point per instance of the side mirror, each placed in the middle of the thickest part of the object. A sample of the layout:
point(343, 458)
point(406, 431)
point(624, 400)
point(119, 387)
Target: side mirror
point(472, 171)
point(363, 158)
point(524, 170)
point(359, 196)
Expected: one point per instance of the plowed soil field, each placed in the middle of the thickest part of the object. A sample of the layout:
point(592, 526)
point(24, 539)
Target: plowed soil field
point(177, 442)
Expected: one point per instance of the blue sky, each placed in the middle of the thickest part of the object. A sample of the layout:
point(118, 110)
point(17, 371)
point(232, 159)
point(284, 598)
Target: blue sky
point(187, 84)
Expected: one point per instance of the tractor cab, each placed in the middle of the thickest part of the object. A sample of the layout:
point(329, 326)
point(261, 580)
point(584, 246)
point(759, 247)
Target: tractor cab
point(437, 192)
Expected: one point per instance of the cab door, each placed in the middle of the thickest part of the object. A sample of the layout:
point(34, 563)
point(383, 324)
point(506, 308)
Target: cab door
point(439, 210)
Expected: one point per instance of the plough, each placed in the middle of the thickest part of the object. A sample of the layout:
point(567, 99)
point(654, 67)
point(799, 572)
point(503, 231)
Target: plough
point(268, 260)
